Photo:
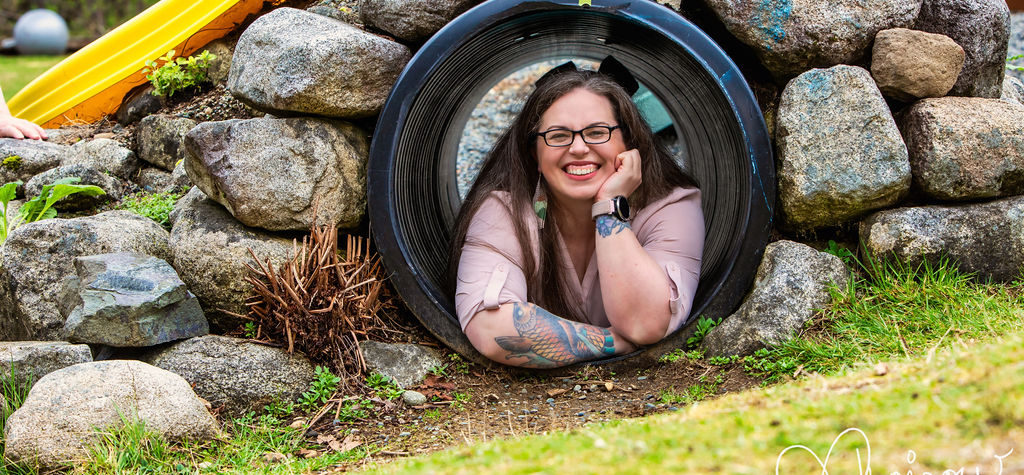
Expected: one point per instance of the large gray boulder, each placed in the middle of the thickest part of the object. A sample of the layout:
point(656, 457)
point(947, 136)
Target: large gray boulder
point(840, 153)
point(986, 238)
point(982, 28)
point(791, 284)
point(153, 180)
point(211, 250)
point(89, 175)
point(28, 361)
point(793, 36)
point(910, 64)
point(64, 411)
point(964, 148)
point(106, 155)
point(293, 61)
point(236, 374)
point(159, 139)
point(404, 364)
point(38, 257)
point(269, 173)
point(23, 159)
point(129, 300)
point(411, 21)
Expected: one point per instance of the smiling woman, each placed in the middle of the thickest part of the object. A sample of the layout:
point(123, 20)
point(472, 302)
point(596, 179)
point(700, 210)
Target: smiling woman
point(551, 267)
point(427, 144)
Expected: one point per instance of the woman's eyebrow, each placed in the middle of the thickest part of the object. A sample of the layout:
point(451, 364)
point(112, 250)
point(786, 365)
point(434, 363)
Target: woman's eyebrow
point(557, 126)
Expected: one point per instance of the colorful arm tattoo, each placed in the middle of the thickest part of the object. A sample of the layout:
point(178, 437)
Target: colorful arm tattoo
point(547, 341)
point(608, 225)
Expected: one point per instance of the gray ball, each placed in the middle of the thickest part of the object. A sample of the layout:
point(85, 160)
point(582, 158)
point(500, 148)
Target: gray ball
point(41, 31)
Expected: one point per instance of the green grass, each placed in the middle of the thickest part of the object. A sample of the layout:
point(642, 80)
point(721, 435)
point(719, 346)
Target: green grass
point(17, 71)
point(958, 409)
point(896, 311)
point(155, 206)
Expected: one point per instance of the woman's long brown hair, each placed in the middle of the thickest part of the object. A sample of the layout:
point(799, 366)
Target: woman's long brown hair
point(511, 166)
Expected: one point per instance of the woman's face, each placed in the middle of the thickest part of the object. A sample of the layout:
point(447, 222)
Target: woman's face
point(576, 172)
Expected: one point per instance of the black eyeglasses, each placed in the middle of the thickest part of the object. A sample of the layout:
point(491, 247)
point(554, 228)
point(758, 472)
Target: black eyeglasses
point(593, 135)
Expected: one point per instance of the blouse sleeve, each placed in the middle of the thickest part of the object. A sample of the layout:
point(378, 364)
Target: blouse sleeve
point(489, 272)
point(671, 230)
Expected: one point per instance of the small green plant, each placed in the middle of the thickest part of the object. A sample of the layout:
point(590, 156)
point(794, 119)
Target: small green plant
point(439, 370)
point(155, 206)
point(176, 74)
point(250, 330)
point(458, 365)
point(841, 252)
point(723, 360)
point(14, 390)
point(12, 162)
point(704, 325)
point(460, 400)
point(1013, 67)
point(321, 389)
point(354, 409)
point(279, 409)
point(432, 415)
point(679, 353)
point(383, 387)
point(695, 393)
point(41, 206)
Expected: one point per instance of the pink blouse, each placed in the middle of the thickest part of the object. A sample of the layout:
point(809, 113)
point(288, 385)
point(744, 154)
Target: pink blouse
point(671, 230)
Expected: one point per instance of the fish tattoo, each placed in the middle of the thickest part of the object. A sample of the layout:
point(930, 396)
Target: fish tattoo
point(546, 340)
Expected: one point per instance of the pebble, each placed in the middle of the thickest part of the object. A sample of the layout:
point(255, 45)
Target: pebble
point(577, 388)
point(414, 398)
point(550, 400)
point(641, 378)
point(649, 407)
point(405, 434)
point(581, 414)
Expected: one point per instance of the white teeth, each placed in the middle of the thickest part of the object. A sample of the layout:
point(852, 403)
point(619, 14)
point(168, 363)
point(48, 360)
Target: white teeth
point(580, 170)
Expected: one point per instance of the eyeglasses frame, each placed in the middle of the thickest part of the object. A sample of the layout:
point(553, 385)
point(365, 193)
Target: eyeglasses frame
point(611, 128)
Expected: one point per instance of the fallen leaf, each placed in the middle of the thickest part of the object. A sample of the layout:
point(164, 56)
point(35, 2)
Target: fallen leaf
point(556, 392)
point(349, 443)
point(881, 369)
point(609, 386)
point(105, 135)
point(307, 453)
point(297, 424)
point(325, 439)
point(273, 457)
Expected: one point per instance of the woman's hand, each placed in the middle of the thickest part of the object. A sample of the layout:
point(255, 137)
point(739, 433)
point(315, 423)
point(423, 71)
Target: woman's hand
point(625, 180)
point(19, 129)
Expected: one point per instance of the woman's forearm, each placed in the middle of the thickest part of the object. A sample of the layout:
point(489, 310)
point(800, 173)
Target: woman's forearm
point(634, 289)
point(523, 334)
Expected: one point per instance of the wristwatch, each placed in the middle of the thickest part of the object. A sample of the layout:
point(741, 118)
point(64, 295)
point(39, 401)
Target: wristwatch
point(618, 207)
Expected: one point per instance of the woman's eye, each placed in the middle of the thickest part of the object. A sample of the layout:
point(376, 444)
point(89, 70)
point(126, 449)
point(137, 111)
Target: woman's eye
point(559, 136)
point(595, 134)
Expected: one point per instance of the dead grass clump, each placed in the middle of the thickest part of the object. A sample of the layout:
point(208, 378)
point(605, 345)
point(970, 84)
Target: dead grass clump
point(323, 303)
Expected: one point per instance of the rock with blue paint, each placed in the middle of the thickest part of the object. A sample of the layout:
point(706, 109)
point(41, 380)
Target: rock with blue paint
point(792, 36)
point(839, 152)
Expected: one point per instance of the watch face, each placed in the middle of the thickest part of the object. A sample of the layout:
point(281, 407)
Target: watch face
point(622, 208)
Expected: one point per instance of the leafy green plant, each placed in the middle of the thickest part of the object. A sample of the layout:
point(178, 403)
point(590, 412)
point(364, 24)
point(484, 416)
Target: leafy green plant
point(704, 325)
point(1013, 67)
point(458, 365)
point(679, 353)
point(695, 393)
point(432, 415)
point(39, 207)
point(439, 370)
point(722, 360)
point(383, 387)
point(841, 252)
point(155, 206)
point(460, 400)
point(249, 330)
point(12, 162)
point(176, 74)
point(324, 385)
point(354, 409)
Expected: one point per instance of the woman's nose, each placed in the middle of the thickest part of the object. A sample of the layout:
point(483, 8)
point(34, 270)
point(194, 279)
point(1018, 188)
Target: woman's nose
point(578, 146)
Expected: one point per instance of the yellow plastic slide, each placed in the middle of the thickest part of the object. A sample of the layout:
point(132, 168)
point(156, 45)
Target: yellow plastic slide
point(91, 83)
